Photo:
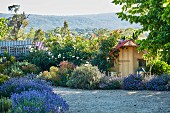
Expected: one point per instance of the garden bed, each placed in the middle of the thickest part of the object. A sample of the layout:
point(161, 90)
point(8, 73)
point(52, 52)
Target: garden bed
point(115, 101)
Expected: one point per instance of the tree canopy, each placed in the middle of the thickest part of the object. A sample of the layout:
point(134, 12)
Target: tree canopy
point(154, 17)
point(4, 30)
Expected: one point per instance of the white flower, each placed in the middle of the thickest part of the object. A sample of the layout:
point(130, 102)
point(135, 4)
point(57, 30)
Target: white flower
point(49, 53)
point(59, 55)
point(87, 62)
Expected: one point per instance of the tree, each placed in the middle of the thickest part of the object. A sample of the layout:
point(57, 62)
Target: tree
point(4, 30)
point(154, 17)
point(39, 35)
point(104, 58)
point(17, 21)
point(65, 30)
point(31, 34)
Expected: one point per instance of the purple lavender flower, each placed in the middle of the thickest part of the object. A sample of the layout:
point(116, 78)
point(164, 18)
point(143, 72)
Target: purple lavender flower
point(17, 85)
point(133, 82)
point(38, 102)
point(159, 83)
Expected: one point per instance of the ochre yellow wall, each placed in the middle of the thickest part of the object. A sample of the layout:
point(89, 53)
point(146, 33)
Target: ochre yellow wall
point(127, 62)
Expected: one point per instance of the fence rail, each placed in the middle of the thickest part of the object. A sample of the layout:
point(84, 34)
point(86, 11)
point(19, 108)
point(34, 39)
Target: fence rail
point(16, 47)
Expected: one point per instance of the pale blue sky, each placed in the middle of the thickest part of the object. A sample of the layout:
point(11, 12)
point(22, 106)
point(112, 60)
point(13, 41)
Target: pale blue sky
point(61, 7)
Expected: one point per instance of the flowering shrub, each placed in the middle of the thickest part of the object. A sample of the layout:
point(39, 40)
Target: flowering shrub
point(30, 68)
point(51, 76)
point(38, 102)
point(17, 85)
point(41, 58)
point(133, 82)
point(159, 83)
point(65, 70)
point(85, 77)
point(107, 82)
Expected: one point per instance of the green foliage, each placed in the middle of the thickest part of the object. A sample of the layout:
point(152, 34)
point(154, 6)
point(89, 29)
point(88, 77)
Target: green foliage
point(13, 71)
point(17, 21)
point(158, 67)
point(153, 17)
point(166, 12)
point(42, 59)
point(65, 30)
point(85, 77)
point(65, 70)
point(5, 61)
point(29, 68)
point(51, 76)
point(20, 69)
point(39, 35)
point(4, 30)
point(5, 105)
point(104, 57)
point(71, 49)
point(3, 78)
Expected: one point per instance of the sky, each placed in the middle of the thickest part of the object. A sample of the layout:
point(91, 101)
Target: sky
point(61, 7)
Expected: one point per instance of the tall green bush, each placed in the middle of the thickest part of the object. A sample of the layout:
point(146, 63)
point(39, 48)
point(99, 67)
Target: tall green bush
point(85, 77)
point(158, 67)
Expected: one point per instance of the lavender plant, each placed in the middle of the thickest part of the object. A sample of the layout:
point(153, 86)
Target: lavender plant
point(134, 82)
point(159, 83)
point(107, 82)
point(38, 102)
point(17, 85)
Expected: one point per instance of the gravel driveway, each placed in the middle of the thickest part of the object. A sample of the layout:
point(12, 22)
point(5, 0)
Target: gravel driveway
point(115, 101)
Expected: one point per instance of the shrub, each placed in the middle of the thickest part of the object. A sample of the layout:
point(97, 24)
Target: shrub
point(3, 78)
point(5, 105)
point(17, 85)
point(68, 66)
point(16, 72)
point(65, 71)
point(107, 82)
point(42, 59)
point(159, 67)
point(54, 75)
point(21, 69)
point(51, 76)
point(30, 68)
point(133, 82)
point(159, 83)
point(85, 77)
point(5, 61)
point(2, 67)
point(38, 102)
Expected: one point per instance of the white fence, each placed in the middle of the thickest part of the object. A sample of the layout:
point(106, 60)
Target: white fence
point(16, 47)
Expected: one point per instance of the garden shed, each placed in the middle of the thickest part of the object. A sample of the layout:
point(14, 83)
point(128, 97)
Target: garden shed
point(129, 58)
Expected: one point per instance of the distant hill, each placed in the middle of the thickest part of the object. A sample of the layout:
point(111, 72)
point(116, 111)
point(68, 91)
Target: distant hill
point(48, 22)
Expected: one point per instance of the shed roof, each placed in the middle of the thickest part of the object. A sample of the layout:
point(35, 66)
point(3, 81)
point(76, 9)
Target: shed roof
point(125, 43)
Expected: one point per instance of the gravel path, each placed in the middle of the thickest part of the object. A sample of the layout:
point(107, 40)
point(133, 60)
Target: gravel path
point(115, 101)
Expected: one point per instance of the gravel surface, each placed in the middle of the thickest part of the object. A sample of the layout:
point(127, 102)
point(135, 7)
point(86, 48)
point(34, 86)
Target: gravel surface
point(115, 101)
